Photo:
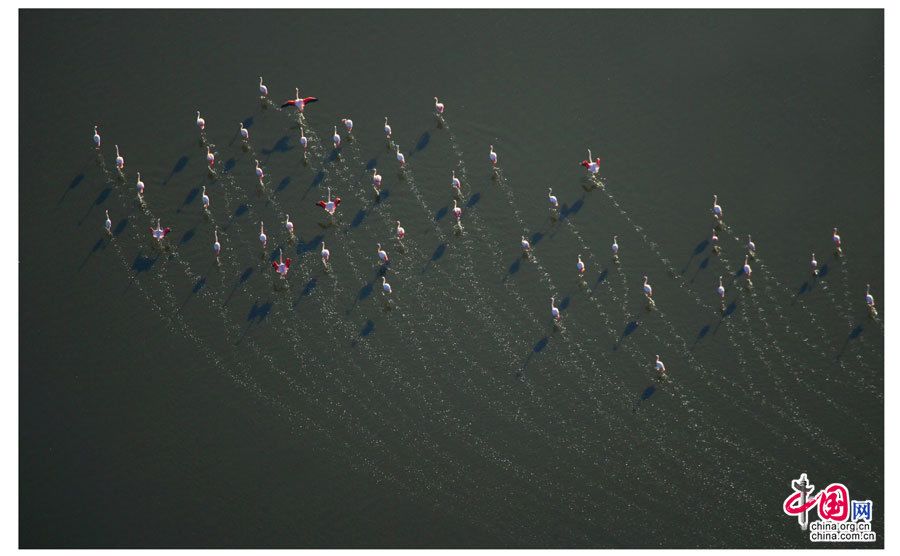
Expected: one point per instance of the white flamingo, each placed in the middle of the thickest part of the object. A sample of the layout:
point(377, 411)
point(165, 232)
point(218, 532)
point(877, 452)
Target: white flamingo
point(139, 185)
point(201, 123)
point(108, 224)
point(96, 138)
point(438, 106)
point(382, 255)
point(387, 129)
point(747, 270)
point(526, 246)
point(216, 246)
point(245, 133)
point(648, 289)
point(262, 235)
point(721, 290)
point(615, 246)
point(336, 138)
point(580, 265)
point(554, 310)
point(660, 367)
point(205, 199)
point(870, 301)
point(814, 265)
point(717, 210)
point(376, 179)
point(457, 212)
point(836, 239)
point(751, 247)
point(493, 156)
point(454, 181)
point(263, 90)
point(259, 171)
point(554, 203)
point(385, 287)
point(401, 233)
point(120, 160)
point(326, 254)
point(288, 225)
point(304, 142)
point(210, 158)
point(400, 158)
point(348, 124)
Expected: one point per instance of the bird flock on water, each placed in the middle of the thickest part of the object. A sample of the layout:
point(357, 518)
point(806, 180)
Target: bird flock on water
point(331, 203)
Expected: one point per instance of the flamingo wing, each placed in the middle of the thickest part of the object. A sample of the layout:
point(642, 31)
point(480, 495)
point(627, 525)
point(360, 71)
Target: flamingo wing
point(275, 265)
point(585, 163)
point(287, 263)
point(288, 103)
point(321, 204)
point(166, 231)
point(151, 229)
point(337, 201)
point(307, 100)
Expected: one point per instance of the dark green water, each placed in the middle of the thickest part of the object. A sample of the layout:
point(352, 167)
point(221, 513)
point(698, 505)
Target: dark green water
point(165, 401)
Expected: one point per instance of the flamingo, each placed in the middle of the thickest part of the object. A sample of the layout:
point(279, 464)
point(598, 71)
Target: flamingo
point(870, 301)
point(216, 246)
point(96, 138)
point(751, 247)
point(493, 156)
point(593, 166)
point(615, 246)
point(326, 254)
point(108, 224)
point(262, 235)
point(289, 226)
point(282, 266)
point(438, 106)
point(721, 290)
point(385, 287)
point(120, 160)
point(139, 185)
point(336, 138)
point(259, 171)
point(648, 289)
point(836, 239)
point(526, 246)
point(303, 140)
point(659, 365)
point(348, 123)
point(201, 123)
point(400, 158)
point(330, 206)
point(401, 233)
point(457, 212)
point(245, 133)
point(205, 199)
point(387, 129)
point(554, 310)
point(717, 210)
point(454, 181)
point(159, 233)
point(552, 198)
point(580, 265)
point(715, 241)
point(263, 90)
point(210, 158)
point(747, 270)
point(382, 255)
point(376, 179)
point(297, 102)
point(814, 265)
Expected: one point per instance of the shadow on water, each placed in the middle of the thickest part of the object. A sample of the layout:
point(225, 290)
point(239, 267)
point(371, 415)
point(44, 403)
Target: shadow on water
point(101, 198)
point(473, 200)
point(248, 122)
point(703, 264)
point(565, 211)
point(364, 292)
point(372, 164)
point(307, 290)
point(536, 238)
point(729, 310)
point(441, 213)
point(198, 285)
point(229, 165)
point(697, 250)
point(626, 332)
point(538, 348)
point(320, 175)
point(280, 146)
point(283, 183)
point(189, 198)
point(702, 334)
point(367, 329)
point(101, 244)
point(515, 266)
point(180, 165)
point(803, 289)
point(439, 252)
point(602, 276)
point(72, 185)
point(358, 219)
point(188, 236)
point(242, 279)
point(257, 313)
point(120, 227)
point(644, 396)
point(142, 263)
point(309, 245)
point(423, 141)
point(854, 334)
